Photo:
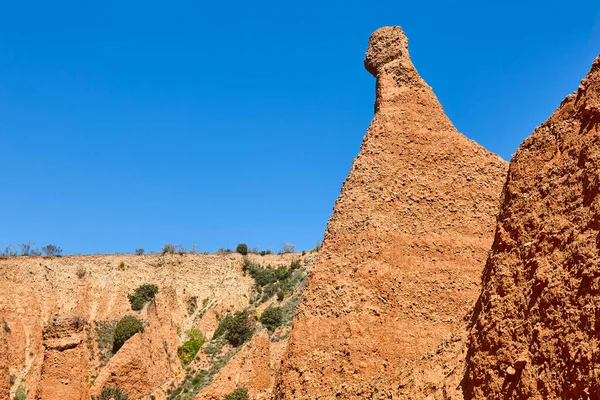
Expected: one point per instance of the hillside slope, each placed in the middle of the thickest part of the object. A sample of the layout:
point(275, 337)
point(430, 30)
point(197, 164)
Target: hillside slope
point(58, 317)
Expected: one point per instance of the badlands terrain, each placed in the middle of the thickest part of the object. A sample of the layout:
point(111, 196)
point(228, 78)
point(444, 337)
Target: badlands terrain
point(59, 316)
point(445, 273)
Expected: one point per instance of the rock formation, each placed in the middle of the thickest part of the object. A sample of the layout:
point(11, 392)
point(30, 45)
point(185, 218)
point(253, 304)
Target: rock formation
point(403, 252)
point(535, 332)
point(52, 307)
point(65, 370)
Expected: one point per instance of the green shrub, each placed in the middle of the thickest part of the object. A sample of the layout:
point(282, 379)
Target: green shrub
point(238, 394)
point(280, 295)
point(126, 328)
point(272, 318)
point(236, 328)
point(20, 394)
point(242, 248)
point(111, 393)
point(142, 295)
point(269, 291)
point(139, 251)
point(188, 350)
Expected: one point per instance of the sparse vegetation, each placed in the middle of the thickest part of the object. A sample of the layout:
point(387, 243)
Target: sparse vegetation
point(10, 251)
point(52, 250)
point(272, 318)
point(139, 251)
point(238, 394)
point(111, 393)
point(317, 246)
point(126, 328)
point(188, 350)
point(192, 304)
point(242, 248)
point(168, 249)
point(105, 337)
point(287, 248)
point(6, 327)
point(27, 249)
point(142, 295)
point(24, 249)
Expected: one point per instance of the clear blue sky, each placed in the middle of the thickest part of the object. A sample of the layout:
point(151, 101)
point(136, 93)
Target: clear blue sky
point(133, 124)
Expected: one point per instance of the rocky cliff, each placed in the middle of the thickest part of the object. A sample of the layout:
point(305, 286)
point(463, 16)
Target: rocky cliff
point(535, 329)
point(404, 249)
point(58, 317)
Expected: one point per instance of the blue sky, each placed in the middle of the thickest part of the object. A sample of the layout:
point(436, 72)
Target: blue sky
point(214, 123)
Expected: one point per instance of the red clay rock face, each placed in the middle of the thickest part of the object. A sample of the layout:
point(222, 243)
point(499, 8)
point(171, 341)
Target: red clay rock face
point(65, 366)
point(403, 252)
point(535, 332)
point(4, 361)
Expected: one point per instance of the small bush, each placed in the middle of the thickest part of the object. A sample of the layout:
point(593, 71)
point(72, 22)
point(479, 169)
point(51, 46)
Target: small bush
point(280, 295)
point(27, 249)
point(287, 248)
point(272, 318)
point(20, 394)
point(188, 350)
point(139, 251)
point(126, 328)
point(111, 393)
point(242, 248)
point(168, 249)
point(52, 250)
point(236, 328)
point(238, 394)
point(142, 295)
point(81, 271)
point(192, 304)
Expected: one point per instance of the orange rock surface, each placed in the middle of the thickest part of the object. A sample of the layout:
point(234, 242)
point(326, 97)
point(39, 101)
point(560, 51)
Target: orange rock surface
point(535, 331)
point(404, 249)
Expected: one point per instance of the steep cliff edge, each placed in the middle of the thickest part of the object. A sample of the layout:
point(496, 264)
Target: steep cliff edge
point(404, 249)
point(535, 332)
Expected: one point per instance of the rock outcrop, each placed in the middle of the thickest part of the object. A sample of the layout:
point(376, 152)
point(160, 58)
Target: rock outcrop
point(535, 332)
point(65, 370)
point(403, 252)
